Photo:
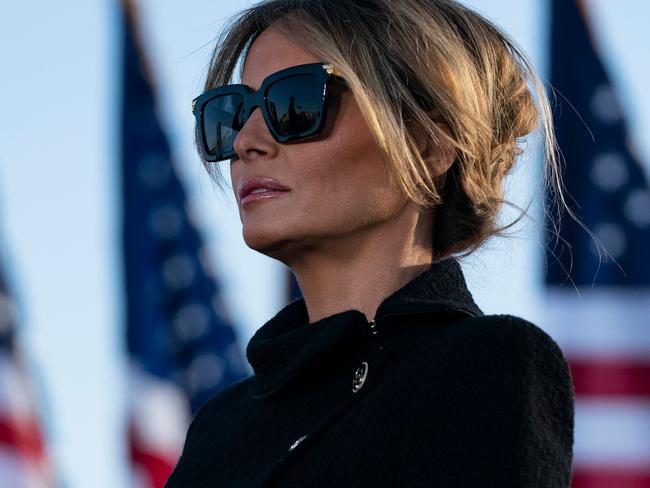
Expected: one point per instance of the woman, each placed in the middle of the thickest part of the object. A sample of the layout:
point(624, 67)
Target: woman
point(367, 153)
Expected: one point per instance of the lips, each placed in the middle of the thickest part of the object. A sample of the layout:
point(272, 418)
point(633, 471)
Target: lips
point(247, 185)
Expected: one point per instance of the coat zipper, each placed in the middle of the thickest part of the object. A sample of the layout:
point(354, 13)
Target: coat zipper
point(373, 326)
point(374, 332)
point(373, 323)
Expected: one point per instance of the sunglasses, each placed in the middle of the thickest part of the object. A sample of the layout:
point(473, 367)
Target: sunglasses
point(293, 102)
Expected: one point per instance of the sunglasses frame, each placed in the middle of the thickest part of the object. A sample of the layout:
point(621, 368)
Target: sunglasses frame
point(323, 72)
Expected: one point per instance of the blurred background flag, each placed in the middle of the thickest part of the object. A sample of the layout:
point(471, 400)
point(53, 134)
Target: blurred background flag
point(23, 459)
point(292, 287)
point(182, 345)
point(603, 323)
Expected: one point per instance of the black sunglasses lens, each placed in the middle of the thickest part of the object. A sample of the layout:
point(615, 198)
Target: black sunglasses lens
point(223, 117)
point(295, 105)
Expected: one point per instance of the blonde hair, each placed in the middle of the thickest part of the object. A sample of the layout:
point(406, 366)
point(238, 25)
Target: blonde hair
point(432, 63)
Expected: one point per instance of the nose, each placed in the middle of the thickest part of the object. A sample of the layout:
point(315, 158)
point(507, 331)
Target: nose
point(254, 139)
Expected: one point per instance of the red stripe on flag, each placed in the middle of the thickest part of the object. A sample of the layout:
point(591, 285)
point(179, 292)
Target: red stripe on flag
point(611, 377)
point(156, 465)
point(611, 478)
point(23, 436)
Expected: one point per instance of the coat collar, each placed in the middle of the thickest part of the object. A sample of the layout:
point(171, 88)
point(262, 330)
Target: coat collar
point(287, 343)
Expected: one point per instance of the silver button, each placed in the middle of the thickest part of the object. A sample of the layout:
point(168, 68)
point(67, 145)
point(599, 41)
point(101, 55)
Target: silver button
point(298, 441)
point(359, 377)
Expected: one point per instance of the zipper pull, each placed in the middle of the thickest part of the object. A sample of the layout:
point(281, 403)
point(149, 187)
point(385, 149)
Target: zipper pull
point(373, 326)
point(375, 332)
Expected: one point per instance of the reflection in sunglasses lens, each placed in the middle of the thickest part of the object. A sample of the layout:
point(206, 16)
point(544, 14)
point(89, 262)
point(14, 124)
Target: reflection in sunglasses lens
point(294, 104)
point(222, 121)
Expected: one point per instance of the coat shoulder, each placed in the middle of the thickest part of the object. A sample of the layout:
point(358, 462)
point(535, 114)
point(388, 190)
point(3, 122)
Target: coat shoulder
point(227, 398)
point(503, 332)
point(543, 396)
point(532, 345)
point(218, 410)
point(492, 383)
point(523, 348)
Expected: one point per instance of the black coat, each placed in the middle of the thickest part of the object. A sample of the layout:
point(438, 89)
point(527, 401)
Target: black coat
point(433, 394)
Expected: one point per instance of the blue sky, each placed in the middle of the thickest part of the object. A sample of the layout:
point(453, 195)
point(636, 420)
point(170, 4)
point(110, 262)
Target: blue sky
point(58, 193)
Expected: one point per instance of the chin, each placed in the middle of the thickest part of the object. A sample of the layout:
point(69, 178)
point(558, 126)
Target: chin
point(282, 246)
point(264, 240)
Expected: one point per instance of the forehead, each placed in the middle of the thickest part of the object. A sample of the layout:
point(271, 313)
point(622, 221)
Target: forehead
point(271, 52)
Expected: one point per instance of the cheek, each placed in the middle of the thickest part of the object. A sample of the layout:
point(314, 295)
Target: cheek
point(345, 178)
point(348, 155)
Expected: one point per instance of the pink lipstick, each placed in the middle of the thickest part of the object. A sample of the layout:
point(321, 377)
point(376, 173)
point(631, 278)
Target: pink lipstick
point(259, 188)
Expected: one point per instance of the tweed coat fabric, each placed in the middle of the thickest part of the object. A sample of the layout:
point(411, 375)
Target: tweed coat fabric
point(434, 393)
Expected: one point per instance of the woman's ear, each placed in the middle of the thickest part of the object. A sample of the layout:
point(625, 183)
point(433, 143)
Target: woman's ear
point(438, 155)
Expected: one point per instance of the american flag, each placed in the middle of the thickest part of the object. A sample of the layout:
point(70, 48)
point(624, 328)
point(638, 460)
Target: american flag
point(600, 314)
point(182, 346)
point(23, 458)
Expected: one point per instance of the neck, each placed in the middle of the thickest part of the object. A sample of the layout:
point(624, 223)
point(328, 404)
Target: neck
point(357, 271)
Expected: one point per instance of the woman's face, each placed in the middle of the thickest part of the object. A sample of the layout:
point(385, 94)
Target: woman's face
point(339, 187)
